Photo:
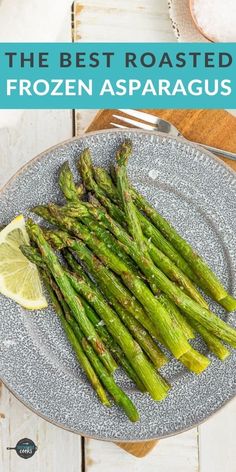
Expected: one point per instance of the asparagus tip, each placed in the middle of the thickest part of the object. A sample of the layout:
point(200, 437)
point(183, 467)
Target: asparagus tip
point(123, 152)
point(64, 168)
point(85, 157)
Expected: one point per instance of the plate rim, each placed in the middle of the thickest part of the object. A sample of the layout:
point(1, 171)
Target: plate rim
point(179, 139)
point(21, 171)
point(98, 438)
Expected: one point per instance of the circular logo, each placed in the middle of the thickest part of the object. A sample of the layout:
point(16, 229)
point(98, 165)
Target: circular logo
point(25, 448)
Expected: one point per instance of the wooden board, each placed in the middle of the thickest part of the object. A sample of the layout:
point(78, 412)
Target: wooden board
point(138, 449)
point(214, 127)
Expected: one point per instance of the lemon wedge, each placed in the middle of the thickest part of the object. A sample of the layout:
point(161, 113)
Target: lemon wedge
point(19, 278)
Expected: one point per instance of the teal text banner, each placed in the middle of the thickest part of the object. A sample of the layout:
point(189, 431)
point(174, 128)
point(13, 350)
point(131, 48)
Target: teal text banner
point(117, 75)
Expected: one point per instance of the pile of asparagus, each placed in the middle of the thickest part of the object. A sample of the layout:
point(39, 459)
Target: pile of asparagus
point(126, 284)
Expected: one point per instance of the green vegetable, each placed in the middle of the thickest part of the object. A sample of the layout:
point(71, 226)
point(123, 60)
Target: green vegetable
point(213, 343)
point(136, 329)
point(76, 345)
point(155, 385)
point(122, 155)
point(104, 187)
point(115, 391)
point(172, 334)
point(205, 275)
point(166, 238)
point(159, 258)
point(67, 184)
point(50, 259)
point(153, 382)
point(124, 297)
point(33, 255)
point(185, 303)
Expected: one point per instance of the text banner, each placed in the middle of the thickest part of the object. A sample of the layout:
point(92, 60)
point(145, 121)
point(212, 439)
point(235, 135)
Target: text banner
point(117, 75)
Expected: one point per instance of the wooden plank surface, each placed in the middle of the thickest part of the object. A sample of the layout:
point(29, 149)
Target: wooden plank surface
point(30, 133)
point(36, 131)
point(139, 20)
point(217, 451)
point(57, 451)
point(175, 454)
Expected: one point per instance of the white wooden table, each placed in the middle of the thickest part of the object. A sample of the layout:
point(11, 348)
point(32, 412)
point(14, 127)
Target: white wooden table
point(209, 448)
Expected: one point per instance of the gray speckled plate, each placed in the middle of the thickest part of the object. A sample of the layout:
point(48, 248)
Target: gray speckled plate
point(197, 193)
